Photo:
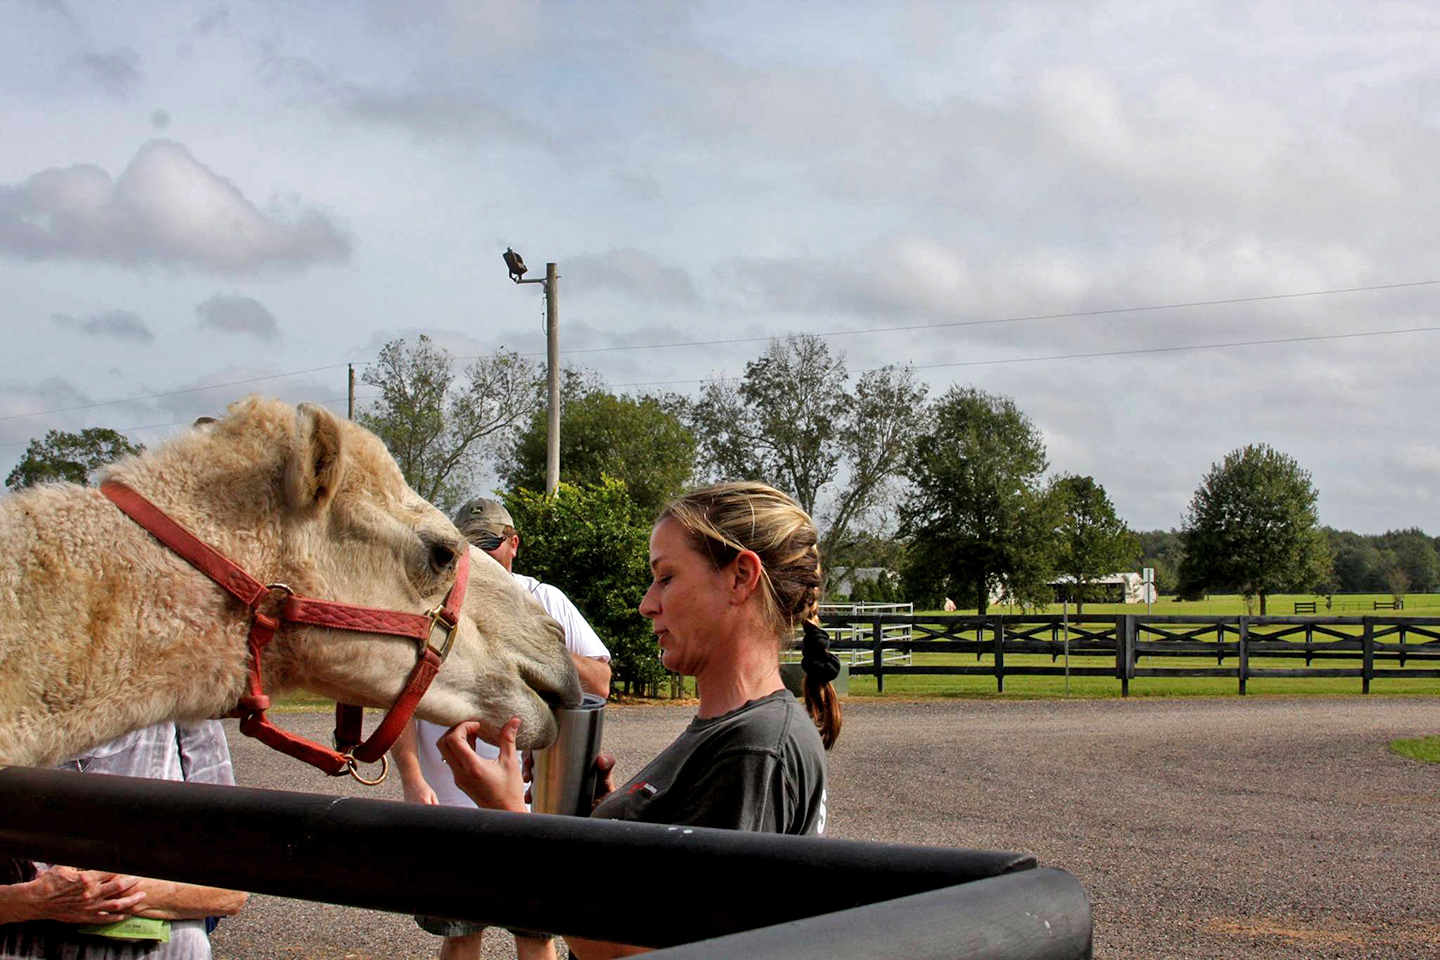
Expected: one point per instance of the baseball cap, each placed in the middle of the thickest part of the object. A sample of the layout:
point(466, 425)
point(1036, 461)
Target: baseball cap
point(483, 516)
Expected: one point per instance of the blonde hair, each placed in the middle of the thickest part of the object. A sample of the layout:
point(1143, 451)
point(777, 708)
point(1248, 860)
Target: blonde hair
point(722, 520)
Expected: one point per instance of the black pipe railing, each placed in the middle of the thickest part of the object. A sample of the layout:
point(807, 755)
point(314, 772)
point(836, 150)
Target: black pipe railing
point(660, 886)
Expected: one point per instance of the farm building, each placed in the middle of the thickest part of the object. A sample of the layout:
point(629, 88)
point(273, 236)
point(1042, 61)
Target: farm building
point(1113, 588)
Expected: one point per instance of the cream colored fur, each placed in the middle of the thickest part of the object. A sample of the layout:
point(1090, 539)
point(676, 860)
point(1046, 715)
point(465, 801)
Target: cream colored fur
point(104, 630)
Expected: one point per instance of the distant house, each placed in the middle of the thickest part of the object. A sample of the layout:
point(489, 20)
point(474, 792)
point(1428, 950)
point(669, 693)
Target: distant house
point(1112, 588)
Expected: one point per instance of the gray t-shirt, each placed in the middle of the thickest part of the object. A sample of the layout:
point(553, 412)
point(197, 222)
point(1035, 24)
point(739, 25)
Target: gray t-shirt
point(760, 767)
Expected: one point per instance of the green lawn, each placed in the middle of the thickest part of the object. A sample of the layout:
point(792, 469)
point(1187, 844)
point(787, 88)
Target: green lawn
point(1278, 605)
point(903, 687)
point(1425, 748)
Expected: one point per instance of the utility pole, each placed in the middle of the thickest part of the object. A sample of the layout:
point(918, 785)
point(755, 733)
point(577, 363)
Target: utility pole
point(552, 382)
point(350, 408)
point(516, 266)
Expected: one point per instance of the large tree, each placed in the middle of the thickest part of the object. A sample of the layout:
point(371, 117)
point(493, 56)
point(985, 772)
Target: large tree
point(440, 430)
point(636, 439)
point(977, 517)
point(794, 421)
point(1252, 527)
point(1092, 541)
point(69, 456)
point(593, 542)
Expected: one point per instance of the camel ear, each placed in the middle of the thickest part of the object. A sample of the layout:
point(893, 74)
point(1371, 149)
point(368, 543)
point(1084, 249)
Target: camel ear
point(317, 462)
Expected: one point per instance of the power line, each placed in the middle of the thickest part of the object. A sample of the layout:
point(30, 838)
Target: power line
point(1110, 311)
point(832, 333)
point(1107, 353)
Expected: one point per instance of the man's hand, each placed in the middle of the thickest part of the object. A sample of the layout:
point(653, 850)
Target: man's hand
point(416, 790)
point(494, 784)
point(604, 777)
point(82, 896)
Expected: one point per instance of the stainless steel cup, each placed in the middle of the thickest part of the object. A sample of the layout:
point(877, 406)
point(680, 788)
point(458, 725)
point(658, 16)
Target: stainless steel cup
point(563, 776)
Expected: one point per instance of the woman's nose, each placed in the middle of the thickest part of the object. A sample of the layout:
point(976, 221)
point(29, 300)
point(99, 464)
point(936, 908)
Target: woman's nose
point(648, 606)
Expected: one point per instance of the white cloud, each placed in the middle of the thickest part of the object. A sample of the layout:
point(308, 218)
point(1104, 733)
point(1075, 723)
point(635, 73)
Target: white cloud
point(117, 72)
point(113, 324)
point(233, 313)
point(633, 272)
point(165, 209)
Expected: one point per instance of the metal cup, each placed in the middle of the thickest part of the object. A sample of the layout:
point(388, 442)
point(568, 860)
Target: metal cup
point(563, 774)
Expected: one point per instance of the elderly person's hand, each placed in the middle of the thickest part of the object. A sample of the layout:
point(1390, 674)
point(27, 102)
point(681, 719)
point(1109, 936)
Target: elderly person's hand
point(80, 896)
point(495, 784)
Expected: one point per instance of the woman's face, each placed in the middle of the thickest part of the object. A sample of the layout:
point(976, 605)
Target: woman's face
point(688, 603)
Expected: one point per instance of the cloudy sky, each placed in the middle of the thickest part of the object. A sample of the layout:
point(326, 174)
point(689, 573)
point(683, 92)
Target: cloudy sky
point(1165, 229)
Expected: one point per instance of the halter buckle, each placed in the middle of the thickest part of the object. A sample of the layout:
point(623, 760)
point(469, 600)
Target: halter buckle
point(440, 620)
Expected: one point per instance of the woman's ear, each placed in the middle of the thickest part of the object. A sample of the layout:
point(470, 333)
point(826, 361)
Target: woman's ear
point(746, 569)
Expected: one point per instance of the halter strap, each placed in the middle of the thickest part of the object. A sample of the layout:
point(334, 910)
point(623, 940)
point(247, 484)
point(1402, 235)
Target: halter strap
point(294, 608)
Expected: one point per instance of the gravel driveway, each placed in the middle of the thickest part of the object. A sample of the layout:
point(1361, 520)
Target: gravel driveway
point(1209, 828)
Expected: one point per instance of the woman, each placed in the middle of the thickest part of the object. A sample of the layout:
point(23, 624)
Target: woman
point(735, 571)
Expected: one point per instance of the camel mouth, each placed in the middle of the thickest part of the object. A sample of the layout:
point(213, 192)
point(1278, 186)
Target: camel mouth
point(553, 699)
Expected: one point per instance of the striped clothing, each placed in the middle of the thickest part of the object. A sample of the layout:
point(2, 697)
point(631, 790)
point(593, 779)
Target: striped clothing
point(194, 752)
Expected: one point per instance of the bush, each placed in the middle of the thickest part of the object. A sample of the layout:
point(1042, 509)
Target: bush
point(593, 542)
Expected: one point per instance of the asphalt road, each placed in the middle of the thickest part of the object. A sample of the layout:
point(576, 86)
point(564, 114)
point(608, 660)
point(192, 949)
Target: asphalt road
point(1208, 828)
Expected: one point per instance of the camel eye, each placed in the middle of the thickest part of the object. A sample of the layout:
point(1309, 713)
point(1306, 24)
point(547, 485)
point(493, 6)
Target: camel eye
point(442, 556)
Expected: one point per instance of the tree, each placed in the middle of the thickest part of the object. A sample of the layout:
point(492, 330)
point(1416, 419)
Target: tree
point(439, 431)
point(792, 422)
point(1093, 541)
point(1162, 550)
point(1415, 555)
point(69, 456)
point(593, 542)
point(637, 440)
point(977, 519)
point(1252, 526)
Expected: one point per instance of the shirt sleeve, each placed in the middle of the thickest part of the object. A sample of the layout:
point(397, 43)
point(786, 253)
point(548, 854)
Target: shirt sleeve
point(580, 637)
point(737, 791)
point(204, 753)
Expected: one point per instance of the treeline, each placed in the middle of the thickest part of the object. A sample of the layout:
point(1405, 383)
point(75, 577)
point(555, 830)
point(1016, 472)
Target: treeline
point(1396, 562)
point(952, 494)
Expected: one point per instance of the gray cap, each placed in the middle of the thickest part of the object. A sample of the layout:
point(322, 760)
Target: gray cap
point(483, 516)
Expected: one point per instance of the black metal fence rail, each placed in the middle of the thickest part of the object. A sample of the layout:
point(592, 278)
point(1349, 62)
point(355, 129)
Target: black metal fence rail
point(756, 895)
point(1386, 646)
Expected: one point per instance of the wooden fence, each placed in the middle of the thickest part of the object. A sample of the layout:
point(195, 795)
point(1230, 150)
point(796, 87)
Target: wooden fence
point(1386, 646)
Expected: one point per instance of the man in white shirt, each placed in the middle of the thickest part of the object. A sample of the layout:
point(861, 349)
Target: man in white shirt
point(423, 774)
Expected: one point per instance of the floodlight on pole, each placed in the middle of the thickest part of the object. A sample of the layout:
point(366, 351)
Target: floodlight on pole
point(515, 264)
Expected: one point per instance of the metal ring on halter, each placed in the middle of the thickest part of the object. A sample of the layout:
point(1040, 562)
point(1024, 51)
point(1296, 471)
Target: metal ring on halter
point(354, 766)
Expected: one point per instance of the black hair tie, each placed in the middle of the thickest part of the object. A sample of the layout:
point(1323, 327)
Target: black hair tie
point(815, 657)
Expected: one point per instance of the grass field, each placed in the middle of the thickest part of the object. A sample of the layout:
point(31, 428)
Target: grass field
point(902, 686)
point(1425, 748)
point(1277, 605)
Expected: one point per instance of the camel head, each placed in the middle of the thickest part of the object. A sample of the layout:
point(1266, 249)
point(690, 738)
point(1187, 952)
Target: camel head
point(323, 503)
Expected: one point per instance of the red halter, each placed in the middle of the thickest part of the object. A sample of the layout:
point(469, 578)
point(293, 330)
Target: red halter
point(321, 613)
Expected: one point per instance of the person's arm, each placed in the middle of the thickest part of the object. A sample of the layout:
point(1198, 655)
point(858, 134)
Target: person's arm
point(594, 675)
point(71, 896)
point(583, 949)
point(167, 900)
point(406, 751)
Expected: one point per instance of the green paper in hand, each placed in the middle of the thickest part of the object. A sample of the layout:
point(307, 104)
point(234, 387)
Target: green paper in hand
point(131, 928)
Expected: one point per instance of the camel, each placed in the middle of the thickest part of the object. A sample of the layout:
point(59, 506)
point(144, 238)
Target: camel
point(104, 630)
